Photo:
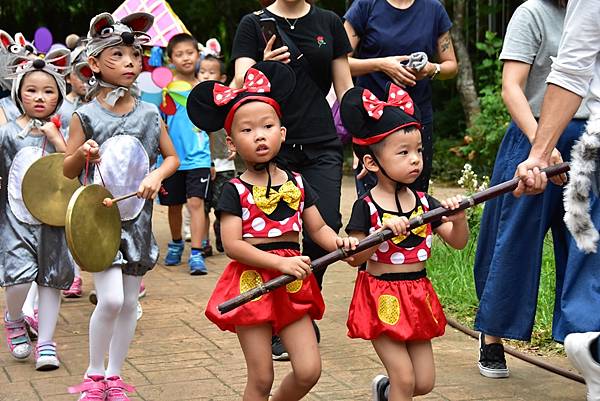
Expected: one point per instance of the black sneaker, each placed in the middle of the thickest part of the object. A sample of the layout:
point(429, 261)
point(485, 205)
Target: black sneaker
point(278, 351)
point(379, 384)
point(492, 363)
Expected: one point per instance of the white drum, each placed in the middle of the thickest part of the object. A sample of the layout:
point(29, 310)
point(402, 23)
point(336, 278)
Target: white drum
point(124, 164)
point(21, 163)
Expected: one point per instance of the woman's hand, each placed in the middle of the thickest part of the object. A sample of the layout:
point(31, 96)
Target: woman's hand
point(281, 54)
point(392, 67)
point(425, 72)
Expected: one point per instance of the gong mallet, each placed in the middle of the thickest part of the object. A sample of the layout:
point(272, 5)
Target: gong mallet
point(108, 202)
point(382, 236)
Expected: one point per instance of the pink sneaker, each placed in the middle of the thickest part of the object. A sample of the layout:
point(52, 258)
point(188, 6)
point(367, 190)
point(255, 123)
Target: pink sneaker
point(19, 343)
point(116, 388)
point(142, 293)
point(32, 324)
point(75, 290)
point(93, 388)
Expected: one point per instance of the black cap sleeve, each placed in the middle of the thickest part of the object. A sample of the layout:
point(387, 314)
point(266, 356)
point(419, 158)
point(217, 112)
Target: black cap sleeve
point(360, 220)
point(229, 201)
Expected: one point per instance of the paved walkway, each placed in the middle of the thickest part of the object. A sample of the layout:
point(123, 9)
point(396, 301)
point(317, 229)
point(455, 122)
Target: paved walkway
point(178, 354)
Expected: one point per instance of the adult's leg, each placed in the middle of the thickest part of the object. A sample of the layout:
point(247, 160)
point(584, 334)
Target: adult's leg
point(422, 183)
point(322, 169)
point(124, 328)
point(507, 290)
point(301, 343)
point(256, 346)
point(109, 290)
point(396, 359)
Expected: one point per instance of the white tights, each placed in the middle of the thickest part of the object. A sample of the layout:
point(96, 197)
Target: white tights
point(49, 307)
point(113, 322)
point(32, 300)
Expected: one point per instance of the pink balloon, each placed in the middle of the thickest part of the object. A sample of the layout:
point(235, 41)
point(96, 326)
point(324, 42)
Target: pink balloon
point(42, 39)
point(162, 76)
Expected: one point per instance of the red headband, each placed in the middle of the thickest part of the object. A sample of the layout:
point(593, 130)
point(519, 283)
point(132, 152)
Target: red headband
point(255, 82)
point(268, 100)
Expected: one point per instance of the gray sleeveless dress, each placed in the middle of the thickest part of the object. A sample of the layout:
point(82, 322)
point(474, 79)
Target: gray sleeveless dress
point(29, 251)
point(11, 112)
point(138, 252)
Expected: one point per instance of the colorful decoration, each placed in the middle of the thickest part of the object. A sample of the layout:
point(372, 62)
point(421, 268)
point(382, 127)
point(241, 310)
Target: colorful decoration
point(166, 22)
point(150, 92)
point(212, 48)
point(42, 39)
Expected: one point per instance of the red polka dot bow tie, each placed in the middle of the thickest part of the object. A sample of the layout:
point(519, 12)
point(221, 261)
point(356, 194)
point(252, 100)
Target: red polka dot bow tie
point(397, 97)
point(255, 82)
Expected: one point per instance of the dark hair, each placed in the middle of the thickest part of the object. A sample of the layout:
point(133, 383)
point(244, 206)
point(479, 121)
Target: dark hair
point(210, 57)
point(180, 38)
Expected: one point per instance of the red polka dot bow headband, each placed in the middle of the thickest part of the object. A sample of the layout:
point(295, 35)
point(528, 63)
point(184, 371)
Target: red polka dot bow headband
point(397, 97)
point(255, 82)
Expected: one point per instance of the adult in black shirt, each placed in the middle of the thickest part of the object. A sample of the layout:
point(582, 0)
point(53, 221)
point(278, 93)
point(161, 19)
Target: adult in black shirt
point(318, 56)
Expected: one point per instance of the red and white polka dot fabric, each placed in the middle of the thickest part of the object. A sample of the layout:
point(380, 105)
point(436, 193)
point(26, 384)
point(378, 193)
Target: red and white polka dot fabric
point(257, 224)
point(392, 254)
point(255, 82)
point(397, 97)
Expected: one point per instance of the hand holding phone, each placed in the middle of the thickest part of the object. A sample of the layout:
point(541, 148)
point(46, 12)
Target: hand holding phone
point(268, 27)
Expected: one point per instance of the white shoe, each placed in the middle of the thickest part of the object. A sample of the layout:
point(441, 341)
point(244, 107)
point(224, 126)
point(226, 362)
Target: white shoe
point(139, 311)
point(45, 357)
point(577, 346)
point(378, 387)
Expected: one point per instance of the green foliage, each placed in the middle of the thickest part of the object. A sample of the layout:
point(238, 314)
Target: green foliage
point(488, 128)
point(451, 272)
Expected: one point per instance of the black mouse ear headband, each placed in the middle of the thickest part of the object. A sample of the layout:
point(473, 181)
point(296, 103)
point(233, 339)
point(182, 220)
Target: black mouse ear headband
point(212, 106)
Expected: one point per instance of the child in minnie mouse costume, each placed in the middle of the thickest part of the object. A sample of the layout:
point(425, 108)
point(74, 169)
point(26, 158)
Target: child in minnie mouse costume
point(262, 214)
point(394, 304)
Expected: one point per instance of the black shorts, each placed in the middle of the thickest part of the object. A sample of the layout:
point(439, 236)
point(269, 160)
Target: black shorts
point(185, 184)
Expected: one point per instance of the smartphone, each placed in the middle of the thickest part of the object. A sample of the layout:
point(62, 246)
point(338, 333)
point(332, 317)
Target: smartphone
point(268, 27)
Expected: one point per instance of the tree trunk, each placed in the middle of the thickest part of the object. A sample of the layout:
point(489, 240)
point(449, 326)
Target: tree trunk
point(464, 81)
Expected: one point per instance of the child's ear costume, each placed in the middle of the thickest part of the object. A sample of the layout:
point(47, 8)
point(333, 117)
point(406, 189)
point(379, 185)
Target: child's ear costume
point(212, 105)
point(56, 64)
point(371, 120)
point(10, 49)
point(105, 32)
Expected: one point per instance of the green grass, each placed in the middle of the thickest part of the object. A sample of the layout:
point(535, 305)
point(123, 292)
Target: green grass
point(451, 272)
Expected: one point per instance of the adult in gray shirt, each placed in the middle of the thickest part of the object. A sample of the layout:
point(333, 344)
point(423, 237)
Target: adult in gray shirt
point(508, 258)
point(575, 74)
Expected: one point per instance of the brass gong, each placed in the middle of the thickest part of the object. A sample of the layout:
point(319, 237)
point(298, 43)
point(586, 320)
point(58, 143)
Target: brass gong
point(93, 230)
point(46, 191)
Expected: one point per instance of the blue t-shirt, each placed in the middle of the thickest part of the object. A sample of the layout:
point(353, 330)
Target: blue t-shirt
point(191, 144)
point(385, 30)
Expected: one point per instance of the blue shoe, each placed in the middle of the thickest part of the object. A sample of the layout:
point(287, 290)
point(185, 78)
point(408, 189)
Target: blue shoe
point(174, 252)
point(196, 264)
